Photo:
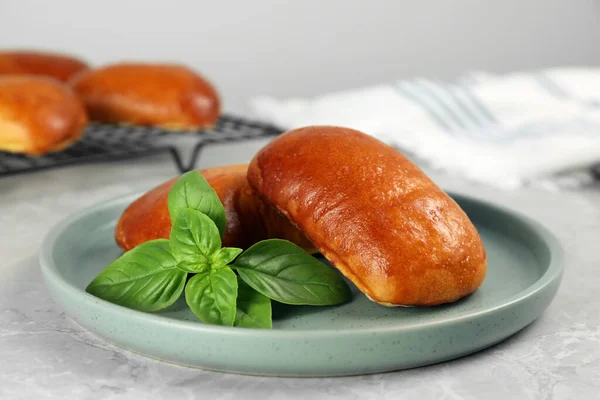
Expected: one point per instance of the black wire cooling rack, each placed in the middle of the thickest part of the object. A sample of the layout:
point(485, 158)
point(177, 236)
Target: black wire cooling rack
point(105, 143)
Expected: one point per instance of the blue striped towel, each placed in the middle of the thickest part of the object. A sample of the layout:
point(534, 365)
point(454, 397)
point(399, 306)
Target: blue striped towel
point(540, 128)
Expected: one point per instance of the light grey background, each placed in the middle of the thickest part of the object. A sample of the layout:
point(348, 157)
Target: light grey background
point(306, 47)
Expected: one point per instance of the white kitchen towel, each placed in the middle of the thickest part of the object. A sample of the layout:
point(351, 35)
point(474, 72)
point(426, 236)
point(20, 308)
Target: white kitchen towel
point(540, 127)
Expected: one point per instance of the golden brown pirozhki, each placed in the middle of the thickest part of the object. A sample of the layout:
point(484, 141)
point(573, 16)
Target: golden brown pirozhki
point(374, 214)
point(38, 115)
point(171, 96)
point(55, 65)
point(248, 218)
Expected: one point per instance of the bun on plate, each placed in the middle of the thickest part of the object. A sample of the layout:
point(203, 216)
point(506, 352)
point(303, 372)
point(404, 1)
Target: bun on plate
point(249, 220)
point(373, 214)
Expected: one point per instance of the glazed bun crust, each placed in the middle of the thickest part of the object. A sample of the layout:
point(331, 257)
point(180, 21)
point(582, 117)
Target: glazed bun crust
point(55, 65)
point(170, 96)
point(373, 213)
point(38, 115)
point(248, 218)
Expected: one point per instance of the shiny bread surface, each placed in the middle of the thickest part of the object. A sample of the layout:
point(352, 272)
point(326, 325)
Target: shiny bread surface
point(373, 214)
point(166, 95)
point(38, 115)
point(25, 62)
point(248, 218)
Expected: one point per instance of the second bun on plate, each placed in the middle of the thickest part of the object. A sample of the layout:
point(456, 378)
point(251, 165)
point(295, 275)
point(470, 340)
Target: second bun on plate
point(166, 95)
point(249, 220)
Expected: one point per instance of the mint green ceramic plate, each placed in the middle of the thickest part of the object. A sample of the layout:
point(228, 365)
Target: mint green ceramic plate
point(360, 337)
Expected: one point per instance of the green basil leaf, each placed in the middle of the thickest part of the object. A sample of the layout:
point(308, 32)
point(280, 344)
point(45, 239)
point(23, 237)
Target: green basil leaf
point(192, 190)
point(253, 308)
point(194, 240)
point(284, 272)
point(145, 278)
point(212, 295)
point(194, 264)
point(224, 256)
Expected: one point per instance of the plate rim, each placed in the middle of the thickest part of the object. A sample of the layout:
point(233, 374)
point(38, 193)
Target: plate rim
point(553, 272)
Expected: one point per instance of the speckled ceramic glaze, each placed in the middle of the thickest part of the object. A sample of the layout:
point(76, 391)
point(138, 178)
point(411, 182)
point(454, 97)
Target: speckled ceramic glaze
point(360, 337)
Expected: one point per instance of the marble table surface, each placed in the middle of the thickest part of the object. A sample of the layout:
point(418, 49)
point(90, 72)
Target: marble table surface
point(45, 355)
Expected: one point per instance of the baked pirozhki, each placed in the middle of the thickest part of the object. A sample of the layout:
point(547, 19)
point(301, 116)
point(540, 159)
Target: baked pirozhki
point(249, 220)
point(373, 214)
point(55, 65)
point(38, 115)
point(170, 96)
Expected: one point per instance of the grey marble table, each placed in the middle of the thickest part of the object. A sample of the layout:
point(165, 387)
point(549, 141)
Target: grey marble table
point(44, 355)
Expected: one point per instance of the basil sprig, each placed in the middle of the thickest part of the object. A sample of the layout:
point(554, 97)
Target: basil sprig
point(152, 276)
